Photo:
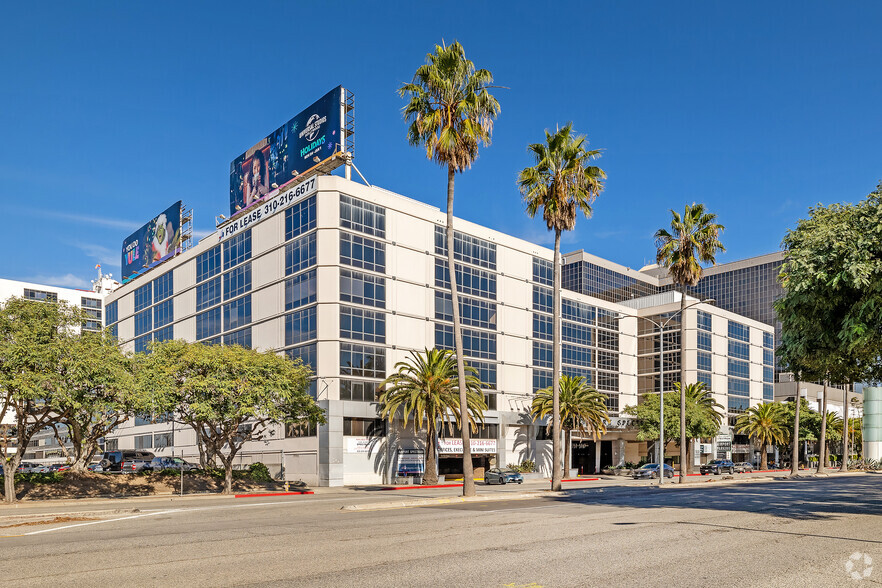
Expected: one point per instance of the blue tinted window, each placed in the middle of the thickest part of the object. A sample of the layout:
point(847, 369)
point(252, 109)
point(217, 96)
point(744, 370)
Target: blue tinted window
point(768, 374)
point(142, 343)
point(542, 299)
point(300, 290)
point(208, 293)
point(740, 369)
point(704, 340)
point(768, 393)
point(706, 378)
point(362, 324)
point(768, 357)
point(576, 355)
point(143, 322)
point(362, 288)
point(241, 337)
point(738, 387)
point(300, 326)
point(237, 281)
point(237, 249)
point(111, 313)
point(704, 320)
point(362, 252)
point(362, 360)
point(237, 313)
point(163, 286)
point(739, 350)
point(543, 271)
point(469, 280)
point(300, 254)
point(143, 296)
point(208, 264)
point(300, 218)
point(164, 334)
point(208, 323)
point(305, 353)
point(163, 313)
point(541, 379)
point(704, 361)
point(472, 312)
point(486, 373)
point(543, 327)
point(466, 248)
point(575, 333)
point(768, 340)
point(738, 404)
point(578, 311)
point(542, 356)
point(739, 331)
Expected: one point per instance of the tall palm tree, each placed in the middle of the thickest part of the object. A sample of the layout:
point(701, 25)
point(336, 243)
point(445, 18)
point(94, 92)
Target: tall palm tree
point(764, 424)
point(425, 388)
point(581, 407)
point(562, 184)
point(832, 432)
point(704, 414)
point(451, 112)
point(822, 460)
point(694, 239)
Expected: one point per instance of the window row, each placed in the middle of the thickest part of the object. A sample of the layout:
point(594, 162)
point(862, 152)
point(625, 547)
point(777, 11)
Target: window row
point(300, 254)
point(362, 216)
point(360, 288)
point(300, 326)
point(300, 218)
point(363, 361)
point(362, 252)
point(143, 342)
point(543, 271)
point(472, 312)
point(466, 248)
point(362, 324)
point(479, 344)
point(469, 280)
point(230, 316)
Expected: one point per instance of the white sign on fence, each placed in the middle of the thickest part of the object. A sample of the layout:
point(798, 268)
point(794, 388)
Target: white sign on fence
point(482, 446)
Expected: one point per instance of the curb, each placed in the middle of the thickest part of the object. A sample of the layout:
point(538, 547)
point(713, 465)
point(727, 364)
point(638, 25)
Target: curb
point(77, 513)
point(264, 494)
point(441, 501)
point(421, 487)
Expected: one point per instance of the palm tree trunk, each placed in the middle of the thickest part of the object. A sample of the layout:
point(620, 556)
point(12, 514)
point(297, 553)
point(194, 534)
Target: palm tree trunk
point(794, 458)
point(555, 373)
point(430, 474)
point(822, 458)
point(764, 457)
point(844, 466)
point(468, 473)
point(684, 454)
point(568, 464)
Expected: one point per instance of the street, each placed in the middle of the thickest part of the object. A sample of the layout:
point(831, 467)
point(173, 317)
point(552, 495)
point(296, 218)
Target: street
point(800, 532)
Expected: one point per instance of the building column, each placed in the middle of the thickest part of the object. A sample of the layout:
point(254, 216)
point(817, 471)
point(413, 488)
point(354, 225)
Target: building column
point(330, 442)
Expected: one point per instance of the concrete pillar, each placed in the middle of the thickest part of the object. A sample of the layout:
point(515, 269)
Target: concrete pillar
point(872, 426)
point(330, 438)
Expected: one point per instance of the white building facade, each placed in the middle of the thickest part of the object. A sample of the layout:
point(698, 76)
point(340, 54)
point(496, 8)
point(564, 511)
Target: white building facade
point(351, 278)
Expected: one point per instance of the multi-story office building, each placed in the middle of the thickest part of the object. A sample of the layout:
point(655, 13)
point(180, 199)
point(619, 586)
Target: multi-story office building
point(351, 278)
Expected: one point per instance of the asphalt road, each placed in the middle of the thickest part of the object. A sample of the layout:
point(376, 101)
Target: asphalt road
point(779, 533)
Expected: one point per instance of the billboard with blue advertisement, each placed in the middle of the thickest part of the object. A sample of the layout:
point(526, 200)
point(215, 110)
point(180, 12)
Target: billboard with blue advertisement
point(309, 138)
point(153, 243)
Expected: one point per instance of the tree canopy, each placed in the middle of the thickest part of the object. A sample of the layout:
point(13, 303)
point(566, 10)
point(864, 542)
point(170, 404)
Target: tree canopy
point(831, 311)
point(228, 395)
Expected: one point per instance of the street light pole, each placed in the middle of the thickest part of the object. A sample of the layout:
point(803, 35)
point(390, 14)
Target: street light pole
point(661, 372)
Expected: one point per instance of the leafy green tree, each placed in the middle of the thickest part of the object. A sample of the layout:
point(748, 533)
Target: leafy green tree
point(96, 394)
point(694, 239)
point(764, 424)
point(425, 389)
point(582, 408)
point(831, 311)
point(229, 395)
point(703, 415)
point(562, 184)
point(450, 112)
point(802, 420)
point(34, 338)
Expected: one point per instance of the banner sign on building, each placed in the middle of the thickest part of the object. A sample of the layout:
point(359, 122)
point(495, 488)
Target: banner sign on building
point(153, 243)
point(478, 445)
point(269, 207)
point(306, 140)
point(359, 444)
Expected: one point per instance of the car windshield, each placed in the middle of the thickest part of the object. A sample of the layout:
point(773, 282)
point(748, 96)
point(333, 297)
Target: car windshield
point(507, 471)
point(716, 462)
point(650, 466)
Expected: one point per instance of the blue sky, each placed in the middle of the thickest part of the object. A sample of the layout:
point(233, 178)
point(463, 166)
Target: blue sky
point(111, 112)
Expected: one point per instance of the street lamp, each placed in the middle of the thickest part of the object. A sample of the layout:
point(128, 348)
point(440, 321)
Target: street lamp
point(661, 371)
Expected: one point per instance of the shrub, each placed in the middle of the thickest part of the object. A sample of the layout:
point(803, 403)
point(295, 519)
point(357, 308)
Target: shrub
point(40, 478)
point(258, 472)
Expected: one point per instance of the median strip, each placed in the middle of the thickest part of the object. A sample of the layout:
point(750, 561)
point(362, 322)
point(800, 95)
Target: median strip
point(262, 494)
point(440, 501)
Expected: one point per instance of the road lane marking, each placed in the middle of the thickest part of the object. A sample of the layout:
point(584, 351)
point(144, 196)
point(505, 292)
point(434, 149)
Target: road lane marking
point(138, 516)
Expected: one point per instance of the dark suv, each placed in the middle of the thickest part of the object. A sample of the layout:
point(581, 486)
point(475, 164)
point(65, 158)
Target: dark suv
point(112, 461)
point(718, 466)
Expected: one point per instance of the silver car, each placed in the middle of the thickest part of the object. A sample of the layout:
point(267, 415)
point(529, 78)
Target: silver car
point(743, 467)
point(503, 476)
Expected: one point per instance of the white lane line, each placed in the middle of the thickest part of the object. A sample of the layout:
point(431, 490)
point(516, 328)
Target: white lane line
point(151, 514)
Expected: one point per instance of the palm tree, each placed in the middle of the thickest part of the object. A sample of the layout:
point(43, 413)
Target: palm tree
point(451, 113)
point(704, 415)
point(764, 424)
point(561, 185)
point(581, 407)
point(833, 432)
point(692, 240)
point(425, 388)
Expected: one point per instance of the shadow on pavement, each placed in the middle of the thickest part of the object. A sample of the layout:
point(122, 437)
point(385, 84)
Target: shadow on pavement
point(805, 499)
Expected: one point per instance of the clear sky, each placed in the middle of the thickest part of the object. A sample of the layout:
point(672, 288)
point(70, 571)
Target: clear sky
point(111, 111)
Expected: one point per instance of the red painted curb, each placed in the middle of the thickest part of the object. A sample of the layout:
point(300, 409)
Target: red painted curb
point(272, 494)
point(580, 480)
point(420, 487)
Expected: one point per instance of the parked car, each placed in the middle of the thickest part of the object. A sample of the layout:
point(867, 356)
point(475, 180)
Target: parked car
point(59, 467)
point(650, 471)
point(135, 465)
point(503, 476)
point(112, 461)
point(718, 466)
point(171, 463)
point(743, 467)
point(94, 467)
point(26, 467)
point(41, 469)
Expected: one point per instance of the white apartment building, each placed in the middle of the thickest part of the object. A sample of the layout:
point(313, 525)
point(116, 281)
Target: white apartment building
point(351, 278)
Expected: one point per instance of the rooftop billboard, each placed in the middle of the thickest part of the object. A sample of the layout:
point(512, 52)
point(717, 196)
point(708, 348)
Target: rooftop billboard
point(309, 138)
point(153, 243)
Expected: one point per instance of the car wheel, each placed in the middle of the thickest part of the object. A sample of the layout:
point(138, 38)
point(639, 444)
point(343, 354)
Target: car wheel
point(503, 480)
point(653, 475)
point(731, 471)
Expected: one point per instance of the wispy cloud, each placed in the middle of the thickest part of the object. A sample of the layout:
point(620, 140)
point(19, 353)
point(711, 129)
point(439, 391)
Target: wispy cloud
point(103, 255)
point(65, 281)
point(112, 223)
point(202, 234)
